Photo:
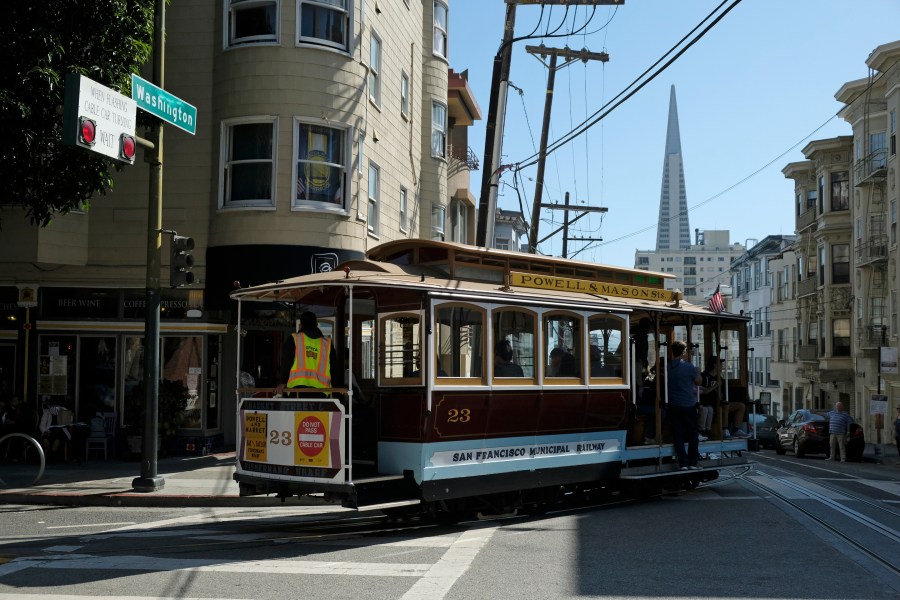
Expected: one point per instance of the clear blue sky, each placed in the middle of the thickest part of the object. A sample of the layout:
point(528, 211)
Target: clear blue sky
point(754, 88)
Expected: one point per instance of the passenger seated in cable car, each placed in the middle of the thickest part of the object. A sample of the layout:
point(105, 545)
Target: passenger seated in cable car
point(562, 363)
point(503, 361)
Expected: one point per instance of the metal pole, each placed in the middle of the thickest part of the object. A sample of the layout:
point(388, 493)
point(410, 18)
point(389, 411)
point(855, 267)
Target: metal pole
point(542, 160)
point(565, 248)
point(493, 137)
point(150, 481)
point(349, 344)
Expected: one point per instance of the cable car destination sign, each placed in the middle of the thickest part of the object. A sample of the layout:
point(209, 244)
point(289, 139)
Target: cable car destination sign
point(160, 103)
point(586, 286)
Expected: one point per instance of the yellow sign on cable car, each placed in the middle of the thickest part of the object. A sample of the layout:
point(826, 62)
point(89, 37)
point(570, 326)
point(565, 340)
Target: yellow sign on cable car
point(585, 286)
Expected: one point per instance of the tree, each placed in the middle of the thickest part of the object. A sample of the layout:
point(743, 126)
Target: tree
point(40, 41)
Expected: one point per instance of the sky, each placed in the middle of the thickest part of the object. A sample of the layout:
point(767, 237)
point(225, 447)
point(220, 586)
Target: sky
point(751, 93)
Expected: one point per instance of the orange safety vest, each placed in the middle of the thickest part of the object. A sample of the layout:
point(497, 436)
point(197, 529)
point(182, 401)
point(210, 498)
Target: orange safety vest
point(311, 366)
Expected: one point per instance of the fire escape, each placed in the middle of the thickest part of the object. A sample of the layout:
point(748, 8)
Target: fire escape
point(871, 252)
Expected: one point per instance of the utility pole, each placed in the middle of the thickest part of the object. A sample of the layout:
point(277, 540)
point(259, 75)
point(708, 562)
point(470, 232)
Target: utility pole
point(150, 481)
point(570, 56)
point(493, 138)
point(584, 210)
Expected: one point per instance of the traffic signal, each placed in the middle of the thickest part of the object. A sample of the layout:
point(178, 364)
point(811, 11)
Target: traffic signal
point(127, 146)
point(87, 131)
point(181, 261)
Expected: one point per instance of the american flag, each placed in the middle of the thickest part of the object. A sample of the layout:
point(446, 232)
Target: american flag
point(716, 303)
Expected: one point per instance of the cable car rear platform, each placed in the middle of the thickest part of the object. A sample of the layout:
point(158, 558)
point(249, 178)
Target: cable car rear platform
point(652, 461)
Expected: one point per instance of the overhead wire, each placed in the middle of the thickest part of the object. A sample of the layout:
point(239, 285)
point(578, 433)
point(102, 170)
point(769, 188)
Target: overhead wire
point(768, 164)
point(625, 94)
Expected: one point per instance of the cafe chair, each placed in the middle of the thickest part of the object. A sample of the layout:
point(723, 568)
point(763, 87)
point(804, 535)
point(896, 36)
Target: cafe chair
point(102, 439)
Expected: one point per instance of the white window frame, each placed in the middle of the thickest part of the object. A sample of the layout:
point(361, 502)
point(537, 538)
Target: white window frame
point(440, 30)
point(404, 209)
point(442, 131)
point(458, 222)
point(438, 221)
point(232, 6)
point(372, 220)
point(225, 163)
point(375, 53)
point(404, 94)
point(298, 204)
point(347, 11)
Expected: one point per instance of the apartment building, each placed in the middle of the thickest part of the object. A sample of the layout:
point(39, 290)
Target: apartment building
point(753, 287)
point(824, 229)
point(787, 390)
point(324, 128)
point(871, 106)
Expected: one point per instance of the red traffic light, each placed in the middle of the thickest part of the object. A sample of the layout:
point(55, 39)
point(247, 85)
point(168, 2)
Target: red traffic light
point(126, 147)
point(87, 131)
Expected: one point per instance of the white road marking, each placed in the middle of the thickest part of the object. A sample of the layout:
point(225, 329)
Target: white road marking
point(891, 487)
point(90, 525)
point(435, 584)
point(74, 597)
point(183, 565)
point(63, 548)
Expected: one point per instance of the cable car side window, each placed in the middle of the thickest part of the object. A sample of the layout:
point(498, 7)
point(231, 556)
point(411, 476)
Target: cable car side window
point(400, 349)
point(607, 352)
point(459, 343)
point(562, 347)
point(514, 346)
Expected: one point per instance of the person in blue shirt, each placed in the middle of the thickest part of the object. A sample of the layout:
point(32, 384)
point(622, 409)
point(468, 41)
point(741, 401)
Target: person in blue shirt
point(838, 427)
point(681, 378)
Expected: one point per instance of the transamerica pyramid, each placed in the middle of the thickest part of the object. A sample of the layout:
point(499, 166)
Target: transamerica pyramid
point(674, 230)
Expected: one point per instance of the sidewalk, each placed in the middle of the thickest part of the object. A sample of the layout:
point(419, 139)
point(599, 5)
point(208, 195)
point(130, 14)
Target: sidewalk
point(205, 481)
point(194, 481)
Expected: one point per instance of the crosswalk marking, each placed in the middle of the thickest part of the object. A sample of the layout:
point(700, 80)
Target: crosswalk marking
point(891, 487)
point(206, 565)
point(456, 561)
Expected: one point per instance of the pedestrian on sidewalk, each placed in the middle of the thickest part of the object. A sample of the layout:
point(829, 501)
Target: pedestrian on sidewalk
point(838, 426)
point(897, 430)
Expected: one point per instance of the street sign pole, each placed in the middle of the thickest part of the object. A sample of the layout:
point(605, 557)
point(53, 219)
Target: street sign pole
point(149, 480)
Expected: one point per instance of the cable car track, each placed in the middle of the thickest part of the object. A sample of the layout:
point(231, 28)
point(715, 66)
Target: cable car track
point(877, 506)
point(859, 546)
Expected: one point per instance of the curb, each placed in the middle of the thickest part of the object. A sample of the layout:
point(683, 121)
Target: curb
point(137, 499)
point(149, 500)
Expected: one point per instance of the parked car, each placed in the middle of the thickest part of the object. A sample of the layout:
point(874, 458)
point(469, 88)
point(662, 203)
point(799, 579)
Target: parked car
point(765, 426)
point(806, 432)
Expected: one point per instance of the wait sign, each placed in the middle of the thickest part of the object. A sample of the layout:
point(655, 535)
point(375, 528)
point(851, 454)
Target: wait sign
point(164, 105)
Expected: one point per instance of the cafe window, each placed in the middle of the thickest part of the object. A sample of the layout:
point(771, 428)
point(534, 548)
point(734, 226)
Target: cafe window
point(180, 386)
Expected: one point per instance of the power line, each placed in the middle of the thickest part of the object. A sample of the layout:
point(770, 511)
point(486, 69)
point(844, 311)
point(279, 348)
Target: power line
point(614, 103)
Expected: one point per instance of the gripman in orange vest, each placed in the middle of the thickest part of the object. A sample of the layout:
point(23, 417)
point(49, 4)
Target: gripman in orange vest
point(308, 364)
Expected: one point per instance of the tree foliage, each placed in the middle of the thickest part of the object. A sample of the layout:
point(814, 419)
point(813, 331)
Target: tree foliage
point(40, 41)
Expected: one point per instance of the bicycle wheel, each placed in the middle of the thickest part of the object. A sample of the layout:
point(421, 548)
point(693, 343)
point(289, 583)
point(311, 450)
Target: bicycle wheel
point(22, 461)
